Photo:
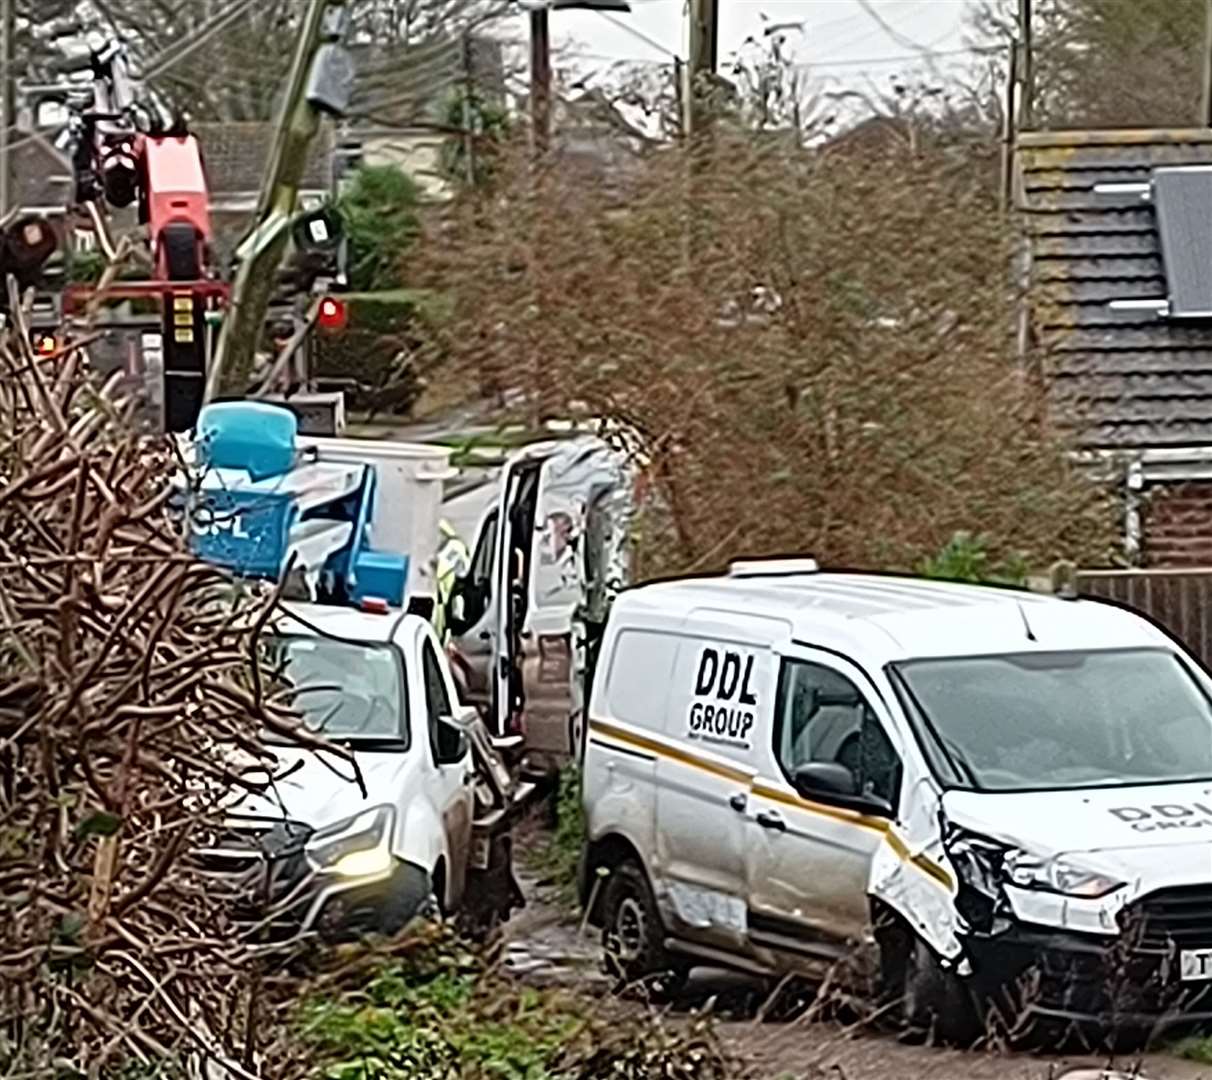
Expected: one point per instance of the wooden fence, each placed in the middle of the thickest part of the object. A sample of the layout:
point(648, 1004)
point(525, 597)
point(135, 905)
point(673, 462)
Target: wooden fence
point(1180, 600)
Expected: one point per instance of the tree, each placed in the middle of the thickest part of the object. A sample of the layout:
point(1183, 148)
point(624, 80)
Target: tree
point(470, 156)
point(1108, 63)
point(380, 209)
point(836, 376)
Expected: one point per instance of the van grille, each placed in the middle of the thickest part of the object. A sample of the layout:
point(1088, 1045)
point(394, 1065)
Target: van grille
point(241, 849)
point(1170, 919)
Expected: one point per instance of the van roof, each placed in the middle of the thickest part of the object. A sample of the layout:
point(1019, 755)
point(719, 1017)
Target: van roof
point(888, 617)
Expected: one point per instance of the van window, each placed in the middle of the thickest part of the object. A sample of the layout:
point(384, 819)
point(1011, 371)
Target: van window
point(822, 716)
point(638, 683)
point(443, 739)
point(1051, 721)
point(481, 560)
point(344, 689)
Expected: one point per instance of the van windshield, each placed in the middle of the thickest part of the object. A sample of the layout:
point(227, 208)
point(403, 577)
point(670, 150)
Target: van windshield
point(1052, 721)
point(346, 690)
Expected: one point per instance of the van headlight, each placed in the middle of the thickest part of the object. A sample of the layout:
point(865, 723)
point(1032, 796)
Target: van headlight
point(1057, 874)
point(359, 846)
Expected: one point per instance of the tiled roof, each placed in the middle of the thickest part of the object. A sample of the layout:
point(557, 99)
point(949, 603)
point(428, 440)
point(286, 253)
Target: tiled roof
point(235, 156)
point(1119, 378)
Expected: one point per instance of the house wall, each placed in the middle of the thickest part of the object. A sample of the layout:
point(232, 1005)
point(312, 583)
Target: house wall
point(1177, 525)
point(419, 155)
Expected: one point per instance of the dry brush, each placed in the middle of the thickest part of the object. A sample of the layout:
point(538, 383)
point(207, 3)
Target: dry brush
point(817, 347)
point(129, 710)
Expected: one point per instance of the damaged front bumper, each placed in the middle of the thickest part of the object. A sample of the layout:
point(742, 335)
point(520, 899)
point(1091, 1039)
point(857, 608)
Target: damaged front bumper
point(278, 896)
point(1109, 959)
point(1130, 981)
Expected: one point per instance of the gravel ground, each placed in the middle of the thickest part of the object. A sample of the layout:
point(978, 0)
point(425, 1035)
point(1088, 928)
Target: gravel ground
point(545, 946)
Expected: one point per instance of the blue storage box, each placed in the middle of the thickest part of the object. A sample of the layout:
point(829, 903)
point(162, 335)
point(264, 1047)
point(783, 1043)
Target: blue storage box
point(247, 532)
point(380, 574)
point(249, 435)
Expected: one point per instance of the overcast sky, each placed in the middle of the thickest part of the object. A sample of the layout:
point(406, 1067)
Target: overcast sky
point(841, 41)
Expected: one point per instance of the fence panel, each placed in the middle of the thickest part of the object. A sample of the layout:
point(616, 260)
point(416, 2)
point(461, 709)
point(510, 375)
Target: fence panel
point(1180, 600)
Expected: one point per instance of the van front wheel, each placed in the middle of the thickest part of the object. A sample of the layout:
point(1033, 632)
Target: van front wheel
point(633, 938)
point(937, 1001)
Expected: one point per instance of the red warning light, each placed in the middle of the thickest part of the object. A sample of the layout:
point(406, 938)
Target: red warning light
point(332, 314)
point(45, 344)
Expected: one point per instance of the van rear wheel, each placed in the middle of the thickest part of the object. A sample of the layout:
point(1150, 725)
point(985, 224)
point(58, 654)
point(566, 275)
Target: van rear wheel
point(633, 939)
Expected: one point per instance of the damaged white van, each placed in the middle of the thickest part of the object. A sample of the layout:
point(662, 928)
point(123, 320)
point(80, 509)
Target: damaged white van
point(986, 796)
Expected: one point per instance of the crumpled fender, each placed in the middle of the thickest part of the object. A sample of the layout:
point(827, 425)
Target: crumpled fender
point(913, 875)
point(420, 838)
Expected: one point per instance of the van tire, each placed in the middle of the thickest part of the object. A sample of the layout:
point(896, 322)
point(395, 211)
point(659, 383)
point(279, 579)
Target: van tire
point(936, 1001)
point(633, 937)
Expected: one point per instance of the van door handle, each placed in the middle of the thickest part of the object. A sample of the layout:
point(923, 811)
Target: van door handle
point(739, 801)
point(768, 819)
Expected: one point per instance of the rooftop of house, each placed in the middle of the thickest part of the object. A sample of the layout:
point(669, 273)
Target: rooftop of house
point(1120, 378)
point(405, 85)
point(235, 155)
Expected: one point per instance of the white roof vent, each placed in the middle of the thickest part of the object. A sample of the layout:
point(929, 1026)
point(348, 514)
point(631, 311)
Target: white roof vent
point(748, 568)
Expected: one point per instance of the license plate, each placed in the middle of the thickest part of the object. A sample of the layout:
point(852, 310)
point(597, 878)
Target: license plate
point(1195, 965)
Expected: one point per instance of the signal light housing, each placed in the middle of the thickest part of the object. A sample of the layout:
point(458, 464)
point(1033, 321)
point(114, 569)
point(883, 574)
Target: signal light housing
point(44, 344)
point(332, 315)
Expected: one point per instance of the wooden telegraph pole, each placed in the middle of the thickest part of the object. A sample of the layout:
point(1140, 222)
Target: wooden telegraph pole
point(8, 82)
point(704, 59)
point(540, 79)
point(1026, 116)
point(261, 252)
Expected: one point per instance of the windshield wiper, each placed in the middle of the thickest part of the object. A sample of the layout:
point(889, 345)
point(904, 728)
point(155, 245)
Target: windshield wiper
point(369, 742)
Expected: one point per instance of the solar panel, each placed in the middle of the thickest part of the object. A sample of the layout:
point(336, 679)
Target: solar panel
point(1182, 199)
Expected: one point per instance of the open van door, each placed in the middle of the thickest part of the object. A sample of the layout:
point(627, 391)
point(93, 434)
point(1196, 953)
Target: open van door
point(517, 512)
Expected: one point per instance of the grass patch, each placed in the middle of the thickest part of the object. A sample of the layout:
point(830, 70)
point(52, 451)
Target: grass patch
point(557, 859)
point(428, 1007)
point(1195, 1048)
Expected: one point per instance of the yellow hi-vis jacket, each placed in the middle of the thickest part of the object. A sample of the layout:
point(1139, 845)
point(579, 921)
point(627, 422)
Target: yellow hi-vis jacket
point(454, 560)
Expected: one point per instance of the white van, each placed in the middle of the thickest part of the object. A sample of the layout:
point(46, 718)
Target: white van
point(566, 506)
point(990, 797)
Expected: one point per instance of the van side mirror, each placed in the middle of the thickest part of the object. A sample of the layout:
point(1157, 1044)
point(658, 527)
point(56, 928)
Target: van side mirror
point(833, 784)
point(462, 717)
point(453, 740)
point(825, 778)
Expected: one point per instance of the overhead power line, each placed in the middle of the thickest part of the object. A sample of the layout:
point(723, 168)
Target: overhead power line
point(920, 54)
point(639, 35)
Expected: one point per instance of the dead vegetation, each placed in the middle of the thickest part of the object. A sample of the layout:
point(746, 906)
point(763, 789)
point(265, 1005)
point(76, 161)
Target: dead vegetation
point(128, 711)
point(816, 347)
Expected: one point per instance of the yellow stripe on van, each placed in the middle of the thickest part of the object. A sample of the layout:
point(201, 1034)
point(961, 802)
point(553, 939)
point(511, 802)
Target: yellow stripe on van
point(926, 866)
point(848, 817)
point(676, 754)
point(764, 789)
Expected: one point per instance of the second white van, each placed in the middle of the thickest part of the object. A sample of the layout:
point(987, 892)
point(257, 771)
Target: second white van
point(974, 796)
